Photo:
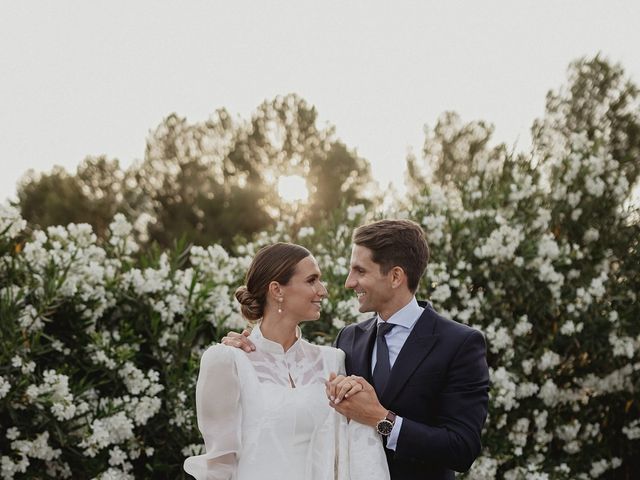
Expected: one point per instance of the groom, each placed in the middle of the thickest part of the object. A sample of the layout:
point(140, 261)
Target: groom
point(422, 380)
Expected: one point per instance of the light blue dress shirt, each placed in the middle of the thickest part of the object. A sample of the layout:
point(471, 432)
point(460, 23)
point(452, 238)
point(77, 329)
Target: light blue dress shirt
point(404, 319)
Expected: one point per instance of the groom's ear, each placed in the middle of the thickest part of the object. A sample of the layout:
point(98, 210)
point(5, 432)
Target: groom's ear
point(398, 277)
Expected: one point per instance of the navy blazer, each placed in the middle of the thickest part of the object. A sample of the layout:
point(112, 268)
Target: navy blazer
point(439, 384)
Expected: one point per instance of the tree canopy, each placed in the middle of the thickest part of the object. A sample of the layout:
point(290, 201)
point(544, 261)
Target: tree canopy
point(208, 181)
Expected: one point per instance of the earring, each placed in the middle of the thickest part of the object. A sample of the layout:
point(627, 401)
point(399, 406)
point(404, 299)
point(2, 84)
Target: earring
point(280, 305)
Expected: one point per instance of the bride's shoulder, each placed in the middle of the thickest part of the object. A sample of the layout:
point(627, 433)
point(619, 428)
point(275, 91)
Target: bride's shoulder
point(220, 353)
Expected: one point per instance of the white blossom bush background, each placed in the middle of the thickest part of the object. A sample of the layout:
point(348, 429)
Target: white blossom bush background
point(100, 341)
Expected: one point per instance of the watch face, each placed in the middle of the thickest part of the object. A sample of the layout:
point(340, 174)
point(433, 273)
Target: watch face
point(384, 427)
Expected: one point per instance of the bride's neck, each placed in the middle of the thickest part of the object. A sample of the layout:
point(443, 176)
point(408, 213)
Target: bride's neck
point(279, 330)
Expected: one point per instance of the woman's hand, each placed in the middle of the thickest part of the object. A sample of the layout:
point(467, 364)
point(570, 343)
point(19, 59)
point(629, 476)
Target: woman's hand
point(339, 387)
point(364, 407)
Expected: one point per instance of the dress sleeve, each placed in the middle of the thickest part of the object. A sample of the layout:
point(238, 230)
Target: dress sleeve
point(219, 416)
point(359, 451)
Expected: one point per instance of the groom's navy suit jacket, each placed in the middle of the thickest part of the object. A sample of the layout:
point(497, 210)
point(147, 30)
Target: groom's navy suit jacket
point(439, 384)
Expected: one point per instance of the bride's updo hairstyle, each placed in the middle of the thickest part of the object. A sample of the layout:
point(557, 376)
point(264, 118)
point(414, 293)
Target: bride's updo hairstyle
point(273, 263)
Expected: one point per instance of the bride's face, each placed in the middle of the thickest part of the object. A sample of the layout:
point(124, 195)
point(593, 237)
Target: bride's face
point(303, 295)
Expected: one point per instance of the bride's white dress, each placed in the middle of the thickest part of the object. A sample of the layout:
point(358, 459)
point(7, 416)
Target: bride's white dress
point(257, 426)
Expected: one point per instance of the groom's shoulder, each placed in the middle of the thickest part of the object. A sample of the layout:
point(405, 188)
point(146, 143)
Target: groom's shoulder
point(363, 325)
point(349, 330)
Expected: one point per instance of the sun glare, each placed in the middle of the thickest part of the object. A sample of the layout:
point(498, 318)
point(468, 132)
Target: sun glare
point(292, 188)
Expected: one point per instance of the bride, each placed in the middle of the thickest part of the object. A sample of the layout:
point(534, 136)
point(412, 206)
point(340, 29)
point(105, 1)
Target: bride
point(264, 414)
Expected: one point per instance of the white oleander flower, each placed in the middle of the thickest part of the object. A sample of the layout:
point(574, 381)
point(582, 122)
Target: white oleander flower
point(484, 468)
point(575, 214)
point(346, 309)
point(570, 327)
point(596, 288)
point(117, 456)
point(595, 186)
point(573, 198)
point(498, 337)
point(501, 244)
point(441, 293)
point(548, 360)
point(113, 473)
point(9, 468)
point(548, 247)
point(526, 389)
point(306, 232)
point(504, 387)
point(30, 320)
point(601, 466)
point(519, 432)
point(144, 408)
point(632, 430)
point(355, 211)
point(107, 431)
point(622, 346)
point(99, 357)
point(81, 235)
point(591, 235)
point(28, 367)
point(523, 327)
point(120, 227)
point(527, 366)
point(193, 449)
point(549, 393)
point(11, 223)
point(5, 386)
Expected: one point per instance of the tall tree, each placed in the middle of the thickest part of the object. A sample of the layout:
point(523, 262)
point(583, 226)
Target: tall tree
point(216, 179)
point(93, 195)
point(453, 152)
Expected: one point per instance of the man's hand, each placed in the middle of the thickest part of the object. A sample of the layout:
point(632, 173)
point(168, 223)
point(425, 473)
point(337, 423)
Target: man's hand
point(363, 408)
point(239, 340)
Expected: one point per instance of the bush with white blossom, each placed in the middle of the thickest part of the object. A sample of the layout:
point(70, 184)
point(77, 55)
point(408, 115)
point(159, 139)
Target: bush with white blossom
point(542, 254)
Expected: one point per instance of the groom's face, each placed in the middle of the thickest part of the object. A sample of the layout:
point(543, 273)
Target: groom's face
point(372, 287)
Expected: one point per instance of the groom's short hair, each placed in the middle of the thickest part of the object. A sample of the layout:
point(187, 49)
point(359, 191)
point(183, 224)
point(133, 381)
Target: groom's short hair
point(400, 243)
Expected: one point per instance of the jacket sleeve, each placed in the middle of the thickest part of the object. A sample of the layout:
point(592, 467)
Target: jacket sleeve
point(454, 440)
point(219, 416)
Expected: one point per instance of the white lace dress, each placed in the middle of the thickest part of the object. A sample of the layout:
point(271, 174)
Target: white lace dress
point(257, 427)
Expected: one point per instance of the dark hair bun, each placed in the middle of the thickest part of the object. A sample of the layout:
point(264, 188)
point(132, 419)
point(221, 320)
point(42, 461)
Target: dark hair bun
point(250, 306)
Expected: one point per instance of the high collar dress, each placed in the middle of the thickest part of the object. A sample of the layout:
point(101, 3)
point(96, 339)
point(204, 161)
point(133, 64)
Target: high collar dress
point(264, 415)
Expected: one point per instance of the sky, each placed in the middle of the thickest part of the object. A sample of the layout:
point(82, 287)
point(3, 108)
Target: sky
point(85, 78)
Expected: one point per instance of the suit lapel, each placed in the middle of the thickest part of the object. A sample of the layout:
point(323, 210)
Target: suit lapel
point(418, 346)
point(365, 334)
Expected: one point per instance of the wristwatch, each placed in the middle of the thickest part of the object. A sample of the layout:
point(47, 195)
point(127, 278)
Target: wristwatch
point(385, 425)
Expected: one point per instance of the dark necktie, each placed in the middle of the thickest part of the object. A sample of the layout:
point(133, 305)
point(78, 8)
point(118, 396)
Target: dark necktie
point(383, 367)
